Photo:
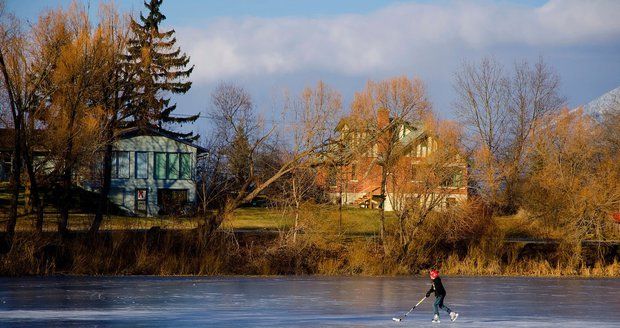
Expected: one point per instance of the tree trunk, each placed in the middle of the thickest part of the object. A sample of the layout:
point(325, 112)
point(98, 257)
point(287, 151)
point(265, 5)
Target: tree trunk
point(17, 115)
point(105, 187)
point(67, 178)
point(15, 184)
point(296, 199)
point(35, 196)
point(65, 202)
point(383, 198)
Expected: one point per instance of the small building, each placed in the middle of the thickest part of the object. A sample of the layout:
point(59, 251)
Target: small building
point(153, 172)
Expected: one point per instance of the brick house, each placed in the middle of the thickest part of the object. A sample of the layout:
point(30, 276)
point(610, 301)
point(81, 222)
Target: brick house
point(357, 180)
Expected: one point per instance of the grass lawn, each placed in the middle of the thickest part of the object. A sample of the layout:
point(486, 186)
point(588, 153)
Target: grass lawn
point(324, 219)
point(354, 220)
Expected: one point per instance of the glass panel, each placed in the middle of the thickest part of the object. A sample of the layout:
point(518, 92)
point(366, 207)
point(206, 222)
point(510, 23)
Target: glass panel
point(458, 179)
point(186, 166)
point(114, 174)
point(173, 166)
point(160, 165)
point(141, 165)
point(123, 165)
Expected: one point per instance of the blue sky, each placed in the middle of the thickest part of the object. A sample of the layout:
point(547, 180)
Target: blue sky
point(178, 11)
point(271, 45)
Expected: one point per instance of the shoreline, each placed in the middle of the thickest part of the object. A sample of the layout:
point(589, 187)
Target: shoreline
point(165, 253)
point(232, 276)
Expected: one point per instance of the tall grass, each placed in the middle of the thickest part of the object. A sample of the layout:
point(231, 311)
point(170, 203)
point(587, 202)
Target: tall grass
point(463, 244)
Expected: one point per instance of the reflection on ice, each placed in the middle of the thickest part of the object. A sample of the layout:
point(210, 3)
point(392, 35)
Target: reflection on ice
point(303, 302)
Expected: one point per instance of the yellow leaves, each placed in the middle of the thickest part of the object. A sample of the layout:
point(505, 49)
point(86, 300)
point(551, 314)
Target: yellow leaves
point(79, 58)
point(573, 177)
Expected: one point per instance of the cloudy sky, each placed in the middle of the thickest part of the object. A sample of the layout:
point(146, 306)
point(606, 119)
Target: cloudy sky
point(270, 45)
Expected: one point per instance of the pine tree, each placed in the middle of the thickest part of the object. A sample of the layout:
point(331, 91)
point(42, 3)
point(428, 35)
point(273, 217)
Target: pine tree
point(162, 70)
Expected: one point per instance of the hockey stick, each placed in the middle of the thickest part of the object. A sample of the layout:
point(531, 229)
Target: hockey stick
point(398, 319)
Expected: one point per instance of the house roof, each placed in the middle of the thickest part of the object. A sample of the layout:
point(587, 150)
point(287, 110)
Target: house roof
point(150, 130)
point(7, 137)
point(416, 128)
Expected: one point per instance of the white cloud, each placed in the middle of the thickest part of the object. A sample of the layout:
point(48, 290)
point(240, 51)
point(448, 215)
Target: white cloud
point(397, 36)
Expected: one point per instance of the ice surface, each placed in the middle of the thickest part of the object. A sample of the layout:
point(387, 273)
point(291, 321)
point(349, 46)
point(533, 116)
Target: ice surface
point(304, 302)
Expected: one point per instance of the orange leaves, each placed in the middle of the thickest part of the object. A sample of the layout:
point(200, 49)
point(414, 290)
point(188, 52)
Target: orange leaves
point(574, 181)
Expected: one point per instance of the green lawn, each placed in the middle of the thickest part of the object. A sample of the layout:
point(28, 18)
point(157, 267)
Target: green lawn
point(354, 220)
point(321, 219)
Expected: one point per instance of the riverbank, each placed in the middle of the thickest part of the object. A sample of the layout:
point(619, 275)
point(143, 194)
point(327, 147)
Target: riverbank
point(186, 252)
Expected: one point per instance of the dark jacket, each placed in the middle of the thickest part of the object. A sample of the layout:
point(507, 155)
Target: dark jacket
point(437, 287)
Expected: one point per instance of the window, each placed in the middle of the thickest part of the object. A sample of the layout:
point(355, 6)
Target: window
point(354, 172)
point(173, 166)
point(423, 148)
point(120, 165)
point(186, 167)
point(160, 166)
point(457, 179)
point(453, 180)
point(141, 165)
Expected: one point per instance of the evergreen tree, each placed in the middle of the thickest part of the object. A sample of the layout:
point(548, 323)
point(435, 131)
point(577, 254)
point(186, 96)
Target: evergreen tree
point(162, 70)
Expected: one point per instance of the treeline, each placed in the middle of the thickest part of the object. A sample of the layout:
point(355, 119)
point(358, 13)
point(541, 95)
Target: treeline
point(70, 84)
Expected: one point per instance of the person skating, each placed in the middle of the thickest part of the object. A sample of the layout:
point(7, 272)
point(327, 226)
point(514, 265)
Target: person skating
point(440, 294)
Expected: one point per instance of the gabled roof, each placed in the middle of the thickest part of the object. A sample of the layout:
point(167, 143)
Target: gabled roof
point(154, 131)
point(416, 128)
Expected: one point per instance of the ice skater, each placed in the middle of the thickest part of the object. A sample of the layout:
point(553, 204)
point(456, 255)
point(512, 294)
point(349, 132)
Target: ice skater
point(440, 294)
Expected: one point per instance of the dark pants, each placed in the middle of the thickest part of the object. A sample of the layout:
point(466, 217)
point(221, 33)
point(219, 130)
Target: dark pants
point(439, 305)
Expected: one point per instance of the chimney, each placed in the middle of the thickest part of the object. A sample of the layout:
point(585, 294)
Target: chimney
point(383, 118)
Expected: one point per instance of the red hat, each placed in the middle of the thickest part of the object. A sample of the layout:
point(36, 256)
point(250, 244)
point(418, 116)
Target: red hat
point(434, 274)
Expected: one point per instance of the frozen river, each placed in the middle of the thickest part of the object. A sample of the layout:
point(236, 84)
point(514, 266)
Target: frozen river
point(303, 302)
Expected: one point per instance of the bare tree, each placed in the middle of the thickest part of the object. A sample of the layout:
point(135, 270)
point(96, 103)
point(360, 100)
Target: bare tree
point(247, 144)
point(482, 102)
point(501, 110)
point(315, 112)
point(25, 67)
point(534, 94)
point(10, 44)
point(385, 108)
point(428, 180)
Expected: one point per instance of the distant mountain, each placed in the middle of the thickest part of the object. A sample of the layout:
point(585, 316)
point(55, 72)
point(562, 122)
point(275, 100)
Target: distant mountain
point(603, 104)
